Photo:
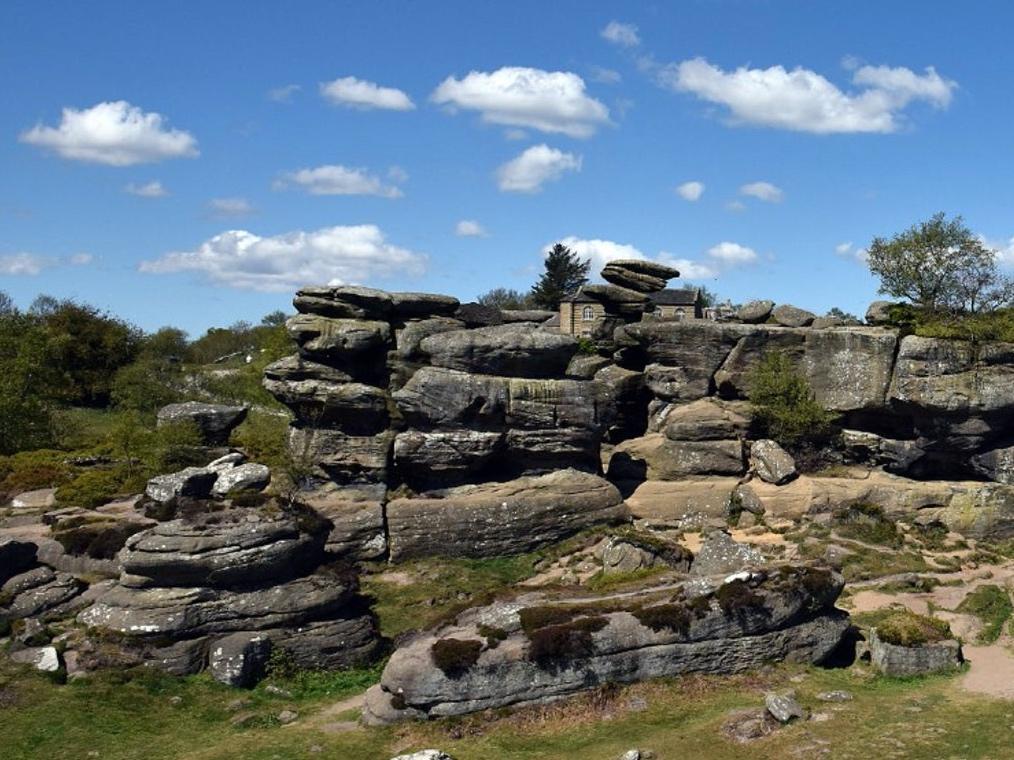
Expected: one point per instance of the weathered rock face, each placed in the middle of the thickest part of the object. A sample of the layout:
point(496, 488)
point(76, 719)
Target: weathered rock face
point(557, 647)
point(639, 275)
point(755, 312)
point(214, 421)
point(501, 518)
point(791, 316)
point(771, 462)
point(512, 350)
point(905, 662)
point(656, 457)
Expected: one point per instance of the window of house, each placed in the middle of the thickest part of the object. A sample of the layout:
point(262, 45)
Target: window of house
point(587, 313)
point(659, 311)
point(679, 314)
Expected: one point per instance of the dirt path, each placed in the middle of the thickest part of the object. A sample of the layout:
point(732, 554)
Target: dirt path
point(329, 719)
point(991, 671)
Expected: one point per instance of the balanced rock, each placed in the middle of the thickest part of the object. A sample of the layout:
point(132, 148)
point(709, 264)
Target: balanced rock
point(624, 277)
point(879, 313)
point(214, 421)
point(344, 302)
point(245, 477)
point(193, 482)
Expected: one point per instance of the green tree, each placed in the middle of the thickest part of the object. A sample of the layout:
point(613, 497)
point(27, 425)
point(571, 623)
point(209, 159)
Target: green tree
point(939, 265)
point(506, 298)
point(274, 318)
point(564, 273)
point(783, 404)
point(25, 379)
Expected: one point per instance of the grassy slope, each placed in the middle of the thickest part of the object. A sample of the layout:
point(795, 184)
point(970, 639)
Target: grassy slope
point(927, 718)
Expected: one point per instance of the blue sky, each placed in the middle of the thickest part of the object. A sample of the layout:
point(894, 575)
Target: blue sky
point(193, 163)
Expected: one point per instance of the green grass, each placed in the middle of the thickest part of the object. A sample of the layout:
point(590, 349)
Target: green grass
point(992, 605)
point(125, 719)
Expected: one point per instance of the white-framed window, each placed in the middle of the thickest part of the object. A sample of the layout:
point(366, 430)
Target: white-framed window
point(587, 314)
point(679, 314)
point(659, 311)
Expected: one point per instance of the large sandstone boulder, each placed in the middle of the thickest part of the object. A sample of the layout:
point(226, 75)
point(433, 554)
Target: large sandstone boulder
point(720, 555)
point(639, 275)
point(687, 503)
point(512, 350)
point(500, 518)
point(755, 312)
point(344, 302)
point(222, 549)
point(340, 457)
point(771, 462)
point(338, 340)
point(213, 421)
point(37, 593)
point(445, 457)
point(192, 482)
point(326, 396)
point(879, 313)
point(792, 316)
point(905, 662)
point(355, 516)
point(656, 457)
point(554, 647)
point(705, 420)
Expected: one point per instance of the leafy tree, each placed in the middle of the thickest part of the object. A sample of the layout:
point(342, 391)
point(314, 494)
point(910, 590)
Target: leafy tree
point(506, 298)
point(938, 265)
point(565, 273)
point(166, 343)
point(274, 318)
point(7, 306)
point(25, 373)
point(845, 316)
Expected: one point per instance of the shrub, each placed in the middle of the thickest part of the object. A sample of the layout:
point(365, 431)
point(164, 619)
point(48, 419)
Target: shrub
point(263, 437)
point(867, 523)
point(737, 598)
point(660, 617)
point(493, 635)
point(176, 446)
point(455, 656)
point(784, 407)
point(557, 644)
point(904, 628)
point(93, 488)
point(992, 605)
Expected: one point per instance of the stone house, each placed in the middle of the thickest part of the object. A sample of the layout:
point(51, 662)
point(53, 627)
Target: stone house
point(580, 313)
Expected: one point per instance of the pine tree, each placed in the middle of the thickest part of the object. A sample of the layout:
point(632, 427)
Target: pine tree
point(565, 273)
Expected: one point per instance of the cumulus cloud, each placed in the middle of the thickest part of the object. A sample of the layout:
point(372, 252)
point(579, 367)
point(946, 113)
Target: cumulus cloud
point(283, 94)
point(358, 93)
point(534, 167)
point(281, 263)
point(618, 33)
point(515, 96)
point(805, 101)
point(690, 191)
point(764, 191)
point(113, 133)
point(81, 259)
point(152, 189)
point(732, 254)
point(335, 179)
point(469, 228)
point(847, 250)
point(222, 208)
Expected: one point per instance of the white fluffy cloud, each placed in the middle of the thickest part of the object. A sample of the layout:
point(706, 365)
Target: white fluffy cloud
point(152, 189)
point(23, 264)
point(358, 93)
point(550, 101)
point(764, 191)
point(690, 191)
point(281, 263)
point(113, 133)
point(469, 228)
point(537, 165)
point(335, 179)
point(732, 254)
point(805, 101)
point(223, 208)
point(618, 33)
point(847, 250)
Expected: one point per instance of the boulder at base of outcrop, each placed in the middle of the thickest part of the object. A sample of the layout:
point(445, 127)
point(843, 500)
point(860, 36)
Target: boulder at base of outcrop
point(755, 312)
point(501, 518)
point(772, 463)
point(898, 661)
point(630, 551)
point(549, 647)
point(192, 482)
point(38, 592)
point(214, 421)
point(720, 555)
point(792, 316)
point(656, 457)
point(45, 659)
point(239, 659)
point(356, 518)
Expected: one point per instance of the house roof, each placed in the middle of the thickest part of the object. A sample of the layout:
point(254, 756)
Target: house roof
point(676, 297)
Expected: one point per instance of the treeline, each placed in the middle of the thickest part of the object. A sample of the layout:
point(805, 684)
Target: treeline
point(61, 354)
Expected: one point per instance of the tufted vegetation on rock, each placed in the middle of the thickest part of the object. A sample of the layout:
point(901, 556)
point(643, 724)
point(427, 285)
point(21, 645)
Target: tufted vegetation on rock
point(904, 628)
point(554, 644)
point(992, 605)
point(455, 656)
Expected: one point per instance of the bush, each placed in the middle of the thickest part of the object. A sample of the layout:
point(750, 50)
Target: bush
point(455, 656)
point(784, 407)
point(867, 523)
point(176, 446)
point(904, 628)
point(93, 488)
point(556, 644)
point(992, 605)
point(737, 598)
point(263, 437)
point(29, 470)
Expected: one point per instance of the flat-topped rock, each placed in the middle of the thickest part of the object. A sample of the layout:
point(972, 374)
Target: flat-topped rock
point(343, 302)
point(214, 421)
point(645, 267)
point(792, 316)
point(342, 340)
point(614, 294)
point(755, 312)
point(627, 278)
point(501, 518)
point(515, 350)
point(193, 482)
